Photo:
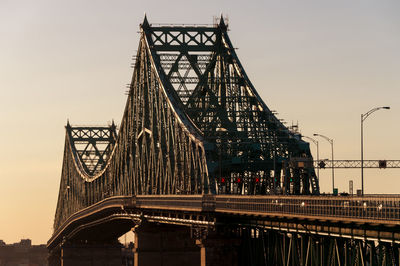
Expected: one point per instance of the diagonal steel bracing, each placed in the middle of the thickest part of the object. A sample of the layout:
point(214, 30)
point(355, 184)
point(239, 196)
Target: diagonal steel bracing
point(264, 247)
point(92, 146)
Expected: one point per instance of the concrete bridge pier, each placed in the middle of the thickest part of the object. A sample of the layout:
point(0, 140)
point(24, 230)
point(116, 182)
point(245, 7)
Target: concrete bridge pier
point(164, 245)
point(170, 245)
point(219, 251)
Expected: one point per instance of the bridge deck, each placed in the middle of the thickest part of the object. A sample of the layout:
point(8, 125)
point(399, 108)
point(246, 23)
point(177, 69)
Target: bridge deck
point(375, 217)
point(372, 209)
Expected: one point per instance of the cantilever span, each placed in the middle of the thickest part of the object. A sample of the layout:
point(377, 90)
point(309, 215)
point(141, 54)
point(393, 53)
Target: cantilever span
point(193, 124)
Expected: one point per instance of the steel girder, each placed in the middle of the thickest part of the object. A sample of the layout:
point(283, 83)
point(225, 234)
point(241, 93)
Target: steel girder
point(267, 247)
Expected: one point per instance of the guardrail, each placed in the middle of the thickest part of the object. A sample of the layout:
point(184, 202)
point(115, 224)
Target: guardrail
point(372, 208)
point(170, 202)
point(378, 209)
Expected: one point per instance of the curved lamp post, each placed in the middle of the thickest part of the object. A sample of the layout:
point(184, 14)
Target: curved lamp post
point(363, 117)
point(316, 144)
point(333, 165)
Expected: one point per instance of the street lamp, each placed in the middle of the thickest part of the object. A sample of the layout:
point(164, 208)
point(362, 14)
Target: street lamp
point(316, 144)
point(333, 165)
point(363, 117)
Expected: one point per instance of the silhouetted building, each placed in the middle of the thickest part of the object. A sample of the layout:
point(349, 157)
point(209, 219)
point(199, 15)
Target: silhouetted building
point(22, 254)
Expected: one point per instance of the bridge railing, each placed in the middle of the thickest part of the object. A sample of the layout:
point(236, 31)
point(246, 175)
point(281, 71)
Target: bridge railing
point(170, 202)
point(373, 209)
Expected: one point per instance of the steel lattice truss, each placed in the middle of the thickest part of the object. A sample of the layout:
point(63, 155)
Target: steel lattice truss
point(193, 124)
point(321, 164)
point(357, 164)
point(92, 145)
point(248, 148)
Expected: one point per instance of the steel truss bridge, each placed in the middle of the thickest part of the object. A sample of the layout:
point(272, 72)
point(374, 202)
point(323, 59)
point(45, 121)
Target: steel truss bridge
point(204, 173)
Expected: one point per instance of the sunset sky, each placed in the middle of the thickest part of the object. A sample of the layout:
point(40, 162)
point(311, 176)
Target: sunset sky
point(318, 63)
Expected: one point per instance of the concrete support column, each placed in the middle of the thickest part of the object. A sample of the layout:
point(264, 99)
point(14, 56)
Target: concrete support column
point(91, 255)
point(219, 251)
point(164, 245)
